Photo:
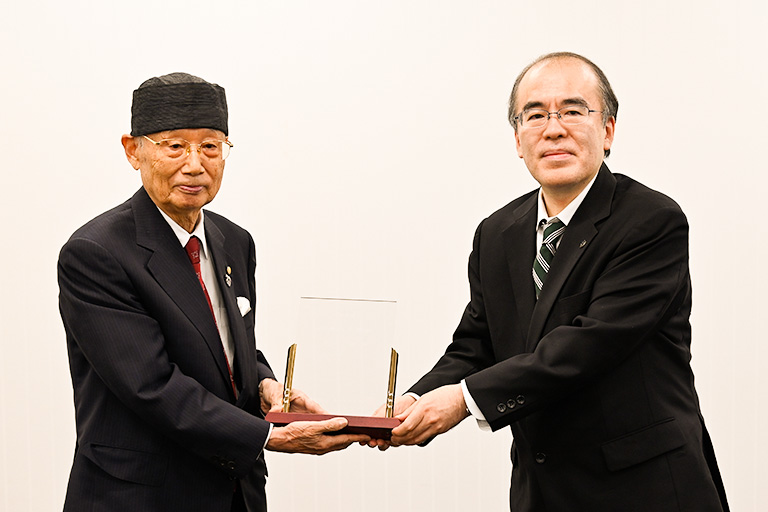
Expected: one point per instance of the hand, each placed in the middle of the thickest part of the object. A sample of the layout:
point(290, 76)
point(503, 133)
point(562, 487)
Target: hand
point(401, 404)
point(434, 413)
point(312, 437)
point(271, 395)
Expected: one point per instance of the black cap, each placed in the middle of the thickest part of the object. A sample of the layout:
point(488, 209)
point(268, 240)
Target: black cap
point(178, 101)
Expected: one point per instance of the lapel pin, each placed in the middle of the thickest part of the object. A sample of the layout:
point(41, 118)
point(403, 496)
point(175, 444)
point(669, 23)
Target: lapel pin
point(228, 279)
point(229, 270)
point(582, 244)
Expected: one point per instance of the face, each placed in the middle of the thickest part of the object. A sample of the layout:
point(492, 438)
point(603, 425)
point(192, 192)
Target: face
point(182, 186)
point(562, 158)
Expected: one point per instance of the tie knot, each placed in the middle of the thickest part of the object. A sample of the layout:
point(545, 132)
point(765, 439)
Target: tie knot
point(193, 250)
point(553, 230)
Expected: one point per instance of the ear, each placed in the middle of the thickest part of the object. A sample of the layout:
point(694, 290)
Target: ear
point(517, 143)
point(610, 128)
point(131, 146)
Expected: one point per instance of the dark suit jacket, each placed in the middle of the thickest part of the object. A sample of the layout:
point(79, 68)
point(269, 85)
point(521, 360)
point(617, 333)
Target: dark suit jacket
point(158, 428)
point(594, 377)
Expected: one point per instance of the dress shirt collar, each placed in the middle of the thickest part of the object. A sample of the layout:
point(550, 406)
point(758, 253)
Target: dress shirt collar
point(568, 212)
point(182, 234)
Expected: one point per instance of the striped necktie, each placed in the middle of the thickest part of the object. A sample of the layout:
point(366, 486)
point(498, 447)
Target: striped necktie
point(552, 234)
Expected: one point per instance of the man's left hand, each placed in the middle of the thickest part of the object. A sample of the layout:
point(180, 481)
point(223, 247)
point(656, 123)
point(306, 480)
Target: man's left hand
point(434, 413)
point(271, 395)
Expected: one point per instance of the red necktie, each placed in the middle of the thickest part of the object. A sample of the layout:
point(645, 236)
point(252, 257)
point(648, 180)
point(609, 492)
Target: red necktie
point(193, 251)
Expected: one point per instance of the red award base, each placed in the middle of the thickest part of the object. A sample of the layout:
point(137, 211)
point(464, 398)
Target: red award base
point(375, 427)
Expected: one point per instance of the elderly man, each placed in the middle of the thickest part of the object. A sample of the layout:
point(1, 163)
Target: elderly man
point(157, 299)
point(576, 334)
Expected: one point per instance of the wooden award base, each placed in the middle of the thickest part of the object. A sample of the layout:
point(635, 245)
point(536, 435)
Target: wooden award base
point(375, 427)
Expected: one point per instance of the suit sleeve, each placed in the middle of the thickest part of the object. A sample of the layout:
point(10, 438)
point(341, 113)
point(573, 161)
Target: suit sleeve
point(125, 350)
point(263, 367)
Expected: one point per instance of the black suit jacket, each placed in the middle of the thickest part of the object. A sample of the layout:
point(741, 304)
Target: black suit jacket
point(594, 377)
point(158, 428)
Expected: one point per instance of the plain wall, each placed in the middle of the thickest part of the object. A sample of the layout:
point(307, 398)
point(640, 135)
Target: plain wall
point(370, 140)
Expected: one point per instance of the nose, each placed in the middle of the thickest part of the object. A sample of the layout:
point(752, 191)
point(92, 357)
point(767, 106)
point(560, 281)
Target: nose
point(193, 163)
point(554, 128)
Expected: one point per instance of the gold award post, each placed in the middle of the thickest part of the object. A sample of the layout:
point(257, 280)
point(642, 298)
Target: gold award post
point(391, 385)
point(289, 378)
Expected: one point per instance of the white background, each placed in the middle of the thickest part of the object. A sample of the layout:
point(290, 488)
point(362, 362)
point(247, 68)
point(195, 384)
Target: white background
point(370, 140)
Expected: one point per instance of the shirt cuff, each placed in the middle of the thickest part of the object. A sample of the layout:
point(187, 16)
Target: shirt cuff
point(269, 434)
point(473, 409)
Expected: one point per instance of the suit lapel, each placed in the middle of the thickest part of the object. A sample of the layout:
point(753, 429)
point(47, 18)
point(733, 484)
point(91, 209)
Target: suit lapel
point(576, 238)
point(519, 243)
point(170, 267)
point(225, 272)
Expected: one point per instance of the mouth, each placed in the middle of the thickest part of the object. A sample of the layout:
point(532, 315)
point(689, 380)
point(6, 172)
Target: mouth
point(556, 154)
point(190, 189)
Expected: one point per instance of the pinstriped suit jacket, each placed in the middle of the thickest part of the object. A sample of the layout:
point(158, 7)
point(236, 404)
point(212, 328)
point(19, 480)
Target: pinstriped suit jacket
point(158, 428)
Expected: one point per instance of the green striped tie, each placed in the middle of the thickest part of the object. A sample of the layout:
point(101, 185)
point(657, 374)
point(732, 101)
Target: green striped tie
point(552, 234)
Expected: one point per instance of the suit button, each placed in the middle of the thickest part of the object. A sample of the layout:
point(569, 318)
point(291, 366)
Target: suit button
point(511, 403)
point(541, 458)
point(520, 399)
point(501, 407)
point(231, 466)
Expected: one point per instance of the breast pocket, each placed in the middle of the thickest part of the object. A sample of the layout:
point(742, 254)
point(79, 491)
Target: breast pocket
point(249, 322)
point(568, 308)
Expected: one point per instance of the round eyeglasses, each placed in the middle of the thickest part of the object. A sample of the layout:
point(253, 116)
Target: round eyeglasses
point(538, 117)
point(176, 148)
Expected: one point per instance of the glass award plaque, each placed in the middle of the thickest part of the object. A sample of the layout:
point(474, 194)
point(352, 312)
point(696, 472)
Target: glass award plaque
point(340, 359)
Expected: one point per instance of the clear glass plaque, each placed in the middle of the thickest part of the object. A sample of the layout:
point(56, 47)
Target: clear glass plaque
point(343, 352)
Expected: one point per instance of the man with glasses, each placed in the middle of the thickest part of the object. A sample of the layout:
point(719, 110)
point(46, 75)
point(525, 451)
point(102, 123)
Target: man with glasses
point(577, 332)
point(157, 299)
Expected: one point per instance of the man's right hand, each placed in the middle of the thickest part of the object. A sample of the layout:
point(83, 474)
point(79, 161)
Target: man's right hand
point(312, 437)
point(401, 404)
